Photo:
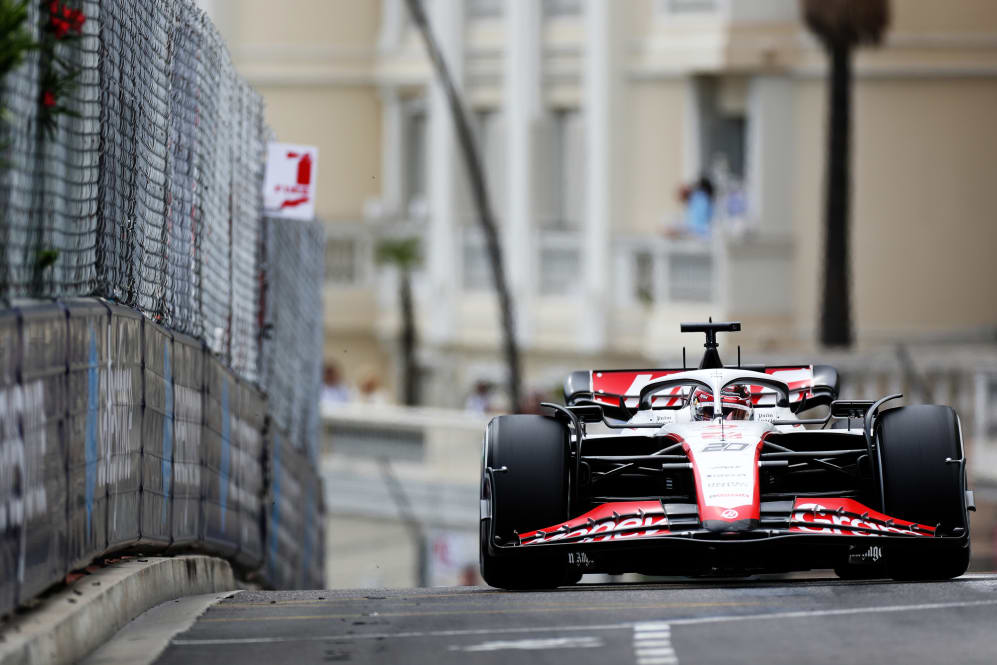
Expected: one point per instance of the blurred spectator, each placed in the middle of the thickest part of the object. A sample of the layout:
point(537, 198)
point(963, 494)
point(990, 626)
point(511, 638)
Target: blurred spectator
point(371, 391)
point(531, 402)
point(480, 399)
point(469, 575)
point(334, 390)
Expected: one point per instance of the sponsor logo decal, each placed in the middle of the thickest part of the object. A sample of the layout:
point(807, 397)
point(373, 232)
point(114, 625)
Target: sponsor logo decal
point(729, 514)
point(616, 521)
point(849, 518)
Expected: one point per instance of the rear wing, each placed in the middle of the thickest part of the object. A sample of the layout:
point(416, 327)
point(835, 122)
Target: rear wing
point(618, 390)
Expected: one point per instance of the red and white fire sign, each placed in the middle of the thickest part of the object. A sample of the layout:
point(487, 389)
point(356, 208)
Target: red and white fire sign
point(289, 184)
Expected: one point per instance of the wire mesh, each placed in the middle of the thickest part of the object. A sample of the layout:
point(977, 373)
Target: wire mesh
point(19, 180)
point(148, 190)
point(292, 343)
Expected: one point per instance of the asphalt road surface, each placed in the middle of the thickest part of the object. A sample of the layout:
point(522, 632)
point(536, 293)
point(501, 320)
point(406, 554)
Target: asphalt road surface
point(747, 621)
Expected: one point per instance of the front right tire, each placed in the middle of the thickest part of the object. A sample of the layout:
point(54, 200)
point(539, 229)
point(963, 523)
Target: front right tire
point(920, 486)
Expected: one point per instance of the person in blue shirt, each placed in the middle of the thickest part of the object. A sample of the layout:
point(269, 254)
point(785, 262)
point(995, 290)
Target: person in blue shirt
point(699, 208)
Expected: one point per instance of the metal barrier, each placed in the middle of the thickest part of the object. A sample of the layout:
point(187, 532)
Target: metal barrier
point(295, 547)
point(221, 515)
point(118, 435)
point(11, 459)
point(122, 390)
point(41, 408)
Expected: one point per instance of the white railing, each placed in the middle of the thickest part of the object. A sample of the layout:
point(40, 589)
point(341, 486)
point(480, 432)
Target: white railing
point(659, 270)
point(648, 268)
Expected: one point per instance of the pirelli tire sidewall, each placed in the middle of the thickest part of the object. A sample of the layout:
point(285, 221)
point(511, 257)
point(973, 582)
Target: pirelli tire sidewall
point(920, 486)
point(527, 490)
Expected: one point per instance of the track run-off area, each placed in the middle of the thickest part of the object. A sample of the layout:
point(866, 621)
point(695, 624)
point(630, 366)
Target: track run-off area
point(809, 620)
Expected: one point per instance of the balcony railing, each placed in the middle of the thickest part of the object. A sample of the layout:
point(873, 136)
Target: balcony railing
point(649, 269)
point(658, 270)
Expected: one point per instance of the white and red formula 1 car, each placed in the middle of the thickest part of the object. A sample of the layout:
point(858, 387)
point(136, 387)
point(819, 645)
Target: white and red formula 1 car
point(711, 472)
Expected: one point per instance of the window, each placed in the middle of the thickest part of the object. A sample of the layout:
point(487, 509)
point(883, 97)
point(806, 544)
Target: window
point(559, 270)
point(415, 158)
point(562, 7)
point(643, 281)
point(489, 135)
point(484, 8)
point(690, 278)
point(689, 6)
point(723, 124)
point(341, 262)
point(560, 170)
point(477, 269)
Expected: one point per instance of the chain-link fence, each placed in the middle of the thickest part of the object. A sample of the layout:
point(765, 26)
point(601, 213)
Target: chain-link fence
point(294, 259)
point(147, 190)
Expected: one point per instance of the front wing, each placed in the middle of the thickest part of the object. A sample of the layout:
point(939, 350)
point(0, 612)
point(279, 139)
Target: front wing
point(661, 537)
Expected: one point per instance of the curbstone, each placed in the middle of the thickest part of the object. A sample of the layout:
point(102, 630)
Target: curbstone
point(68, 625)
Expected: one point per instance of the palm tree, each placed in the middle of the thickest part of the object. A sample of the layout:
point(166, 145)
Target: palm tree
point(840, 26)
point(404, 255)
point(479, 193)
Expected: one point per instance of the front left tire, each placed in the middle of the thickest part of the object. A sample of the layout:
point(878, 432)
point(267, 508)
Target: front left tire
point(531, 493)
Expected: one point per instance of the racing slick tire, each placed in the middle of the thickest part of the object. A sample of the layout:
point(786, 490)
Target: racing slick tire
point(919, 486)
point(530, 493)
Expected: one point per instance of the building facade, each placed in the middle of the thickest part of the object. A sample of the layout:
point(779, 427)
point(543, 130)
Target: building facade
point(591, 115)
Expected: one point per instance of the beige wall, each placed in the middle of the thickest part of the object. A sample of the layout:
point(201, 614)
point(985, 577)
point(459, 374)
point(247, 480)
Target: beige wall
point(345, 124)
point(653, 122)
point(312, 62)
point(339, 23)
point(932, 16)
point(925, 153)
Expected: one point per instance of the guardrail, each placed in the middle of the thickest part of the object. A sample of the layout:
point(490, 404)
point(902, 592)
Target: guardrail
point(119, 435)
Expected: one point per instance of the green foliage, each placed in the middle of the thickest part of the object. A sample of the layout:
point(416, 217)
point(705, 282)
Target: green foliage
point(15, 39)
point(403, 253)
point(46, 258)
point(15, 43)
point(846, 23)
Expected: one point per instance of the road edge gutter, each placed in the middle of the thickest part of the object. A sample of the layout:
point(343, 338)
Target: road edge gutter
point(73, 622)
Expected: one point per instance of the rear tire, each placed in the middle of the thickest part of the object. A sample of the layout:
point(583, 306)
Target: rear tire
point(919, 486)
point(531, 494)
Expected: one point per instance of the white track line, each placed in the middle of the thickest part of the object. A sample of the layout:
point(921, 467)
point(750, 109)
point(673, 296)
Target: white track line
point(585, 642)
point(692, 621)
point(653, 644)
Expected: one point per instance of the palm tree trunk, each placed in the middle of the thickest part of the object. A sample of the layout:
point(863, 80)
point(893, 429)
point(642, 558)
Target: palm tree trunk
point(479, 193)
point(410, 379)
point(836, 327)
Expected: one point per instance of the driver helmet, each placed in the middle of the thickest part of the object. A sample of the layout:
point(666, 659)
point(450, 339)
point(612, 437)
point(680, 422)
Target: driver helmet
point(734, 400)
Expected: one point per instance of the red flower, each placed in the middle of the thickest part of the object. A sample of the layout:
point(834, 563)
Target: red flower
point(61, 27)
point(78, 20)
point(53, 7)
point(67, 12)
point(48, 99)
